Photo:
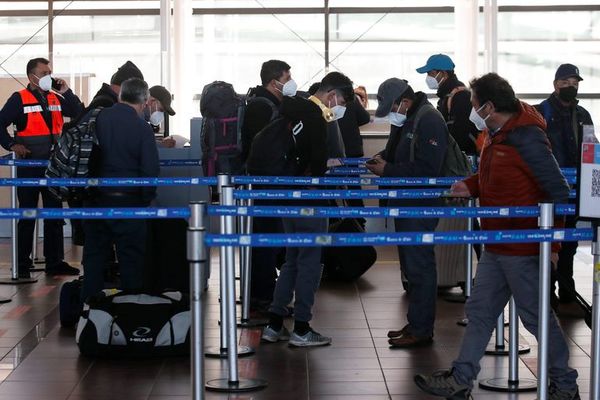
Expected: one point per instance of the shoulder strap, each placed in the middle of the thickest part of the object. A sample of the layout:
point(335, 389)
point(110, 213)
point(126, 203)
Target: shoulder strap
point(546, 110)
point(413, 141)
point(452, 93)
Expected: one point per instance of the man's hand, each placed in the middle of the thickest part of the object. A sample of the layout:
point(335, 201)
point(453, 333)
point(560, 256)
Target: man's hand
point(168, 142)
point(460, 189)
point(377, 166)
point(20, 150)
point(62, 84)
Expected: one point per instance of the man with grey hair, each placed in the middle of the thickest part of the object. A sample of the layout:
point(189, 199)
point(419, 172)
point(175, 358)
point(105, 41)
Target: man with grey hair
point(125, 148)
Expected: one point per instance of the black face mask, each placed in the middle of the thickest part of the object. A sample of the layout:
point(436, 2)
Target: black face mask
point(567, 94)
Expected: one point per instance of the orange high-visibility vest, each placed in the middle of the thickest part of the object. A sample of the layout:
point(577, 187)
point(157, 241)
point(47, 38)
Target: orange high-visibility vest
point(36, 125)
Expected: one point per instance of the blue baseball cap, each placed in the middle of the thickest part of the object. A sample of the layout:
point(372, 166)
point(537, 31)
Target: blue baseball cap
point(438, 62)
point(566, 71)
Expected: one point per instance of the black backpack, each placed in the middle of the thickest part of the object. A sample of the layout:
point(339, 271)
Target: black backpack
point(456, 162)
point(223, 112)
point(70, 156)
point(273, 149)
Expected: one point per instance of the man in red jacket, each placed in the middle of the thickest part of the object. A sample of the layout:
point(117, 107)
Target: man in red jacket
point(517, 169)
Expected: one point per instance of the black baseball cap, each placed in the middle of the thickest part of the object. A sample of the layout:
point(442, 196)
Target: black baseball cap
point(566, 71)
point(389, 91)
point(161, 94)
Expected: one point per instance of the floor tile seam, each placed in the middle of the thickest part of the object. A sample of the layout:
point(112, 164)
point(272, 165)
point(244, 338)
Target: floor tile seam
point(387, 388)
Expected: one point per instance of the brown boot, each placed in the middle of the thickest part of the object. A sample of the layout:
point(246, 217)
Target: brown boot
point(409, 341)
point(398, 333)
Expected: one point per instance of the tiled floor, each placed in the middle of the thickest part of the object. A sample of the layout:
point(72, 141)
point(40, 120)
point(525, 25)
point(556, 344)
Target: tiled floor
point(39, 360)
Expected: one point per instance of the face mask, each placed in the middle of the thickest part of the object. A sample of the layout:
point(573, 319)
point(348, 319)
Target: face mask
point(476, 119)
point(156, 118)
point(432, 82)
point(45, 82)
point(289, 88)
point(397, 119)
point(567, 94)
point(337, 110)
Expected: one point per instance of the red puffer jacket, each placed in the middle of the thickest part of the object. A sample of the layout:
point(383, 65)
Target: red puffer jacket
point(517, 168)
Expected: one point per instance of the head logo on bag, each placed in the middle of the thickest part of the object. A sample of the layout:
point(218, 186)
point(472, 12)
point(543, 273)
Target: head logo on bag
point(142, 334)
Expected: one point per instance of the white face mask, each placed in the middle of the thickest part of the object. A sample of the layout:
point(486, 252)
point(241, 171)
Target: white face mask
point(156, 118)
point(432, 82)
point(289, 88)
point(476, 119)
point(337, 110)
point(45, 82)
point(397, 119)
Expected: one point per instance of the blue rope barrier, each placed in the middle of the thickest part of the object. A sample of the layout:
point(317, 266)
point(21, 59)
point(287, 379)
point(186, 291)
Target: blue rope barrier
point(352, 181)
point(398, 239)
point(44, 163)
point(343, 194)
point(94, 213)
point(386, 212)
point(84, 182)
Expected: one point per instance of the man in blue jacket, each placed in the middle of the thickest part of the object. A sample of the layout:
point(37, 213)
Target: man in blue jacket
point(416, 148)
point(566, 121)
point(126, 148)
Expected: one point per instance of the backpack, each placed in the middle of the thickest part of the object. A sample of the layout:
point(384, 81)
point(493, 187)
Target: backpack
point(70, 156)
point(119, 324)
point(273, 149)
point(456, 162)
point(222, 111)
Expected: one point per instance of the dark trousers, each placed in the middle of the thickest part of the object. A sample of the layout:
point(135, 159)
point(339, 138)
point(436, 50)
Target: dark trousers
point(418, 265)
point(53, 228)
point(129, 238)
point(566, 284)
point(264, 260)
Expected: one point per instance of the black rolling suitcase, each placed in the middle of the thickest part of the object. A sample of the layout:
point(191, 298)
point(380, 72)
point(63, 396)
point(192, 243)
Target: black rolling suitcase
point(347, 264)
point(70, 304)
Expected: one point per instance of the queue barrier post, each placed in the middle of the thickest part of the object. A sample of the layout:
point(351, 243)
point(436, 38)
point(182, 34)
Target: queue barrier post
point(595, 359)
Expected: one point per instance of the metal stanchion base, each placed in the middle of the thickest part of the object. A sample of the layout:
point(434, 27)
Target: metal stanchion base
point(252, 323)
point(504, 385)
point(18, 281)
point(463, 321)
point(37, 269)
point(39, 260)
point(243, 385)
point(503, 351)
point(217, 352)
point(456, 298)
point(5, 300)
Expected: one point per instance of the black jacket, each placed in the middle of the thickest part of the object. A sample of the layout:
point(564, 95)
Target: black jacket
point(105, 97)
point(355, 117)
point(564, 129)
point(457, 118)
point(256, 116)
point(126, 150)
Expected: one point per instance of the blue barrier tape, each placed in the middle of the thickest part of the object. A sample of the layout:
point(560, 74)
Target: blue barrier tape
point(398, 239)
point(385, 212)
point(93, 213)
point(343, 194)
point(44, 163)
point(354, 161)
point(348, 171)
point(351, 181)
point(338, 194)
point(84, 182)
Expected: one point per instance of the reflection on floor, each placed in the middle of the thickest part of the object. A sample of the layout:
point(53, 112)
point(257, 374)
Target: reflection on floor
point(39, 360)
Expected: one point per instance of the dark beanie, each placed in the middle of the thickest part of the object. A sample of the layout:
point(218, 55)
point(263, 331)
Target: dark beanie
point(126, 71)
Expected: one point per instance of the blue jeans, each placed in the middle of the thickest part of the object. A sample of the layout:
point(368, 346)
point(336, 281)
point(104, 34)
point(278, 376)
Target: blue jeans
point(301, 273)
point(498, 277)
point(418, 265)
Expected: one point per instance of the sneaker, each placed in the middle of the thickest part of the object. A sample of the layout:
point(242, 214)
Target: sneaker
point(554, 393)
point(61, 268)
point(272, 336)
point(310, 339)
point(408, 340)
point(443, 384)
point(398, 333)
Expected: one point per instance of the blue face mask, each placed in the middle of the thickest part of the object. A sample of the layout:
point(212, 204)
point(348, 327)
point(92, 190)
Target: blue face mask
point(397, 119)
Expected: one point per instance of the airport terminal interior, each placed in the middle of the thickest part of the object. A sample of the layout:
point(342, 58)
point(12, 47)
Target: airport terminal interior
point(184, 45)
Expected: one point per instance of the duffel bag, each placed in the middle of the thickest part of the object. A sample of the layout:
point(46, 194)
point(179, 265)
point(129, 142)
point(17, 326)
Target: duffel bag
point(115, 323)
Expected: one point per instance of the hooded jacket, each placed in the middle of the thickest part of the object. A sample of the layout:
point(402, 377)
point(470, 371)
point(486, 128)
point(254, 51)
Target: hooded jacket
point(257, 115)
point(517, 168)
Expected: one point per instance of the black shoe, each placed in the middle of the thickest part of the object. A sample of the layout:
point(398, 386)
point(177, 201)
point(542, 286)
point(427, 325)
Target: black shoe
point(62, 268)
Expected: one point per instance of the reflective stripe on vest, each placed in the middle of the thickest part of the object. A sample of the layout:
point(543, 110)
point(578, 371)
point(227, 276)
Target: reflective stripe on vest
point(36, 124)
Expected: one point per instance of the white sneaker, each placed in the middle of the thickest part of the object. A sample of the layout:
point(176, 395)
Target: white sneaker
point(272, 336)
point(311, 338)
